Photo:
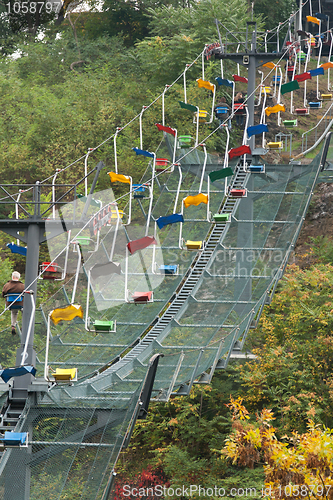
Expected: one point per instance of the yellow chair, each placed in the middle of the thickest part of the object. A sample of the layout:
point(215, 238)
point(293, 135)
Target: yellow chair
point(66, 313)
point(203, 114)
point(266, 90)
point(65, 374)
point(193, 245)
point(114, 217)
point(275, 145)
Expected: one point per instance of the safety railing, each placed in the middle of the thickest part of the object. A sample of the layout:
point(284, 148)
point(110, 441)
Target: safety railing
point(311, 138)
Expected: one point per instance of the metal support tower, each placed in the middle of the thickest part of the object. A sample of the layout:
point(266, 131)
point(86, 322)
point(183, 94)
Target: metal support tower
point(251, 58)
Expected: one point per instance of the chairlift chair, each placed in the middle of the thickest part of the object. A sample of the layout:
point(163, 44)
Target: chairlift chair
point(266, 90)
point(209, 86)
point(114, 212)
point(185, 141)
point(301, 111)
point(104, 326)
point(221, 217)
point(132, 247)
point(201, 116)
point(194, 201)
point(67, 375)
point(170, 269)
point(290, 123)
point(197, 199)
point(139, 191)
point(100, 326)
point(238, 193)
point(239, 108)
point(142, 297)
point(51, 271)
point(256, 169)
point(315, 105)
point(276, 146)
point(276, 79)
point(138, 188)
point(66, 313)
point(171, 131)
point(221, 112)
point(162, 165)
point(193, 245)
point(13, 439)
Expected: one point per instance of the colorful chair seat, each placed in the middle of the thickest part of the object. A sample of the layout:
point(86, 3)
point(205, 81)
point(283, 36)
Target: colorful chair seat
point(142, 297)
point(104, 326)
point(16, 299)
point(290, 123)
point(65, 374)
point(238, 192)
point(221, 217)
point(193, 245)
point(169, 269)
point(275, 145)
point(302, 111)
point(256, 169)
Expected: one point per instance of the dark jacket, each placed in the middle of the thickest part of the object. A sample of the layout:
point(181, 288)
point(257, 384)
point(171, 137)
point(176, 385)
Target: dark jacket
point(12, 287)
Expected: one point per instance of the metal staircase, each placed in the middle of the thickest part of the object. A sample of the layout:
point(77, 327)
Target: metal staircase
point(12, 411)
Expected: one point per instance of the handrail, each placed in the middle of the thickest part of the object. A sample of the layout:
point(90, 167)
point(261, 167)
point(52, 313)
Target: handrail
point(305, 148)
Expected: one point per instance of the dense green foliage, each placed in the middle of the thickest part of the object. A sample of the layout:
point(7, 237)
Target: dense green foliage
point(291, 376)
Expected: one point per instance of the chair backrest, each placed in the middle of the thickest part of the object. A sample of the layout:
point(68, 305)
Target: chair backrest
point(185, 141)
point(239, 108)
point(50, 268)
point(221, 110)
point(161, 162)
point(11, 297)
point(138, 187)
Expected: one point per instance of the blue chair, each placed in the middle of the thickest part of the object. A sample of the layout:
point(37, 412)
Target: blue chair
point(221, 110)
point(15, 439)
point(169, 269)
point(15, 297)
point(139, 191)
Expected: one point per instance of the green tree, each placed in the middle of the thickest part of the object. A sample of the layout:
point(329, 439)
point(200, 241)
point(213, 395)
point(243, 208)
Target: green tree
point(129, 18)
point(294, 349)
point(179, 35)
point(279, 11)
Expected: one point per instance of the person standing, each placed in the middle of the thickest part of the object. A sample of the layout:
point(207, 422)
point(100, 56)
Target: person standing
point(13, 286)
